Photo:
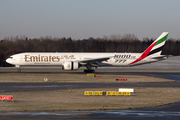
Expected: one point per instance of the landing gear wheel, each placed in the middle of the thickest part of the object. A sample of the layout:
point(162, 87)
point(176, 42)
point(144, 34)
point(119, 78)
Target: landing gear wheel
point(89, 71)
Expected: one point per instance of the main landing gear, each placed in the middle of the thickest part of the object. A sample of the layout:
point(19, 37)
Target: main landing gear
point(89, 68)
point(89, 71)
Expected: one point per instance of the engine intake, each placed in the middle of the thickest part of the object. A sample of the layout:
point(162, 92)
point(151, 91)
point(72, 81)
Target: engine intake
point(70, 65)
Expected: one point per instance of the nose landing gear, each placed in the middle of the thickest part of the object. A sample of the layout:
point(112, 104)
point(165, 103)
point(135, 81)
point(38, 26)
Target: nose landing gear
point(18, 66)
point(19, 70)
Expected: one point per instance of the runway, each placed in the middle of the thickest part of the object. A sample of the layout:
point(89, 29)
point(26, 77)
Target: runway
point(17, 87)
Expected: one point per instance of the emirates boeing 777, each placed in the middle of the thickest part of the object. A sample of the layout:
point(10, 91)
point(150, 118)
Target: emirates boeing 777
point(73, 61)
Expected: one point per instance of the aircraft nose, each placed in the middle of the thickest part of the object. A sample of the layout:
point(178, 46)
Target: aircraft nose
point(7, 60)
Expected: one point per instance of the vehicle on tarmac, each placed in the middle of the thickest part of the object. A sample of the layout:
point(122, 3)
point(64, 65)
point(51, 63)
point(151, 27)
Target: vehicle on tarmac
point(75, 60)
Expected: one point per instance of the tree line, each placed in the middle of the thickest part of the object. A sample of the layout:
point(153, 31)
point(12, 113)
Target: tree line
point(113, 43)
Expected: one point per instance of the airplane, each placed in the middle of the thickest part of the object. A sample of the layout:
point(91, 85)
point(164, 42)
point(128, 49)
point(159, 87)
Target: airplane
point(75, 60)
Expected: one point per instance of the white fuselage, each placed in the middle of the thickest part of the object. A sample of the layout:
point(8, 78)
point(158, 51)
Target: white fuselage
point(55, 58)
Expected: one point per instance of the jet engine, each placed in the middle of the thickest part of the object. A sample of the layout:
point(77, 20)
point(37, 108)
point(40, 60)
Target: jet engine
point(70, 65)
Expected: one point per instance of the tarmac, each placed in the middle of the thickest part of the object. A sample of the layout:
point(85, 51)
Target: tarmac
point(17, 87)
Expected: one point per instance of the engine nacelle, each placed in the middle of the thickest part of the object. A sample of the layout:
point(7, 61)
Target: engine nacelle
point(70, 65)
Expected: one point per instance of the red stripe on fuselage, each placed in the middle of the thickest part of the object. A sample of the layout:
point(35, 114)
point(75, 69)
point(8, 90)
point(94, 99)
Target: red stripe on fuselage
point(145, 53)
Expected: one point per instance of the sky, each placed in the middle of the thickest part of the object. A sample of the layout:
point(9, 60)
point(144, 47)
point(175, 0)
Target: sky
point(81, 19)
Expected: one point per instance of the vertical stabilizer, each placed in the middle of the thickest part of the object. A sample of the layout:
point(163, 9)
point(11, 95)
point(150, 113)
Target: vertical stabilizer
point(154, 49)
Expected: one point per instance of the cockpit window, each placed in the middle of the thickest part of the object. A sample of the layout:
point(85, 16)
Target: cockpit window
point(10, 57)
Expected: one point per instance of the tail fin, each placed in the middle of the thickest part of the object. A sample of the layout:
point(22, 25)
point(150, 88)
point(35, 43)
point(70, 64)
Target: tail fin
point(154, 49)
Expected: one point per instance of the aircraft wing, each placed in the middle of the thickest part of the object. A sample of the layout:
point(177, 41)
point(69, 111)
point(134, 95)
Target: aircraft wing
point(91, 61)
